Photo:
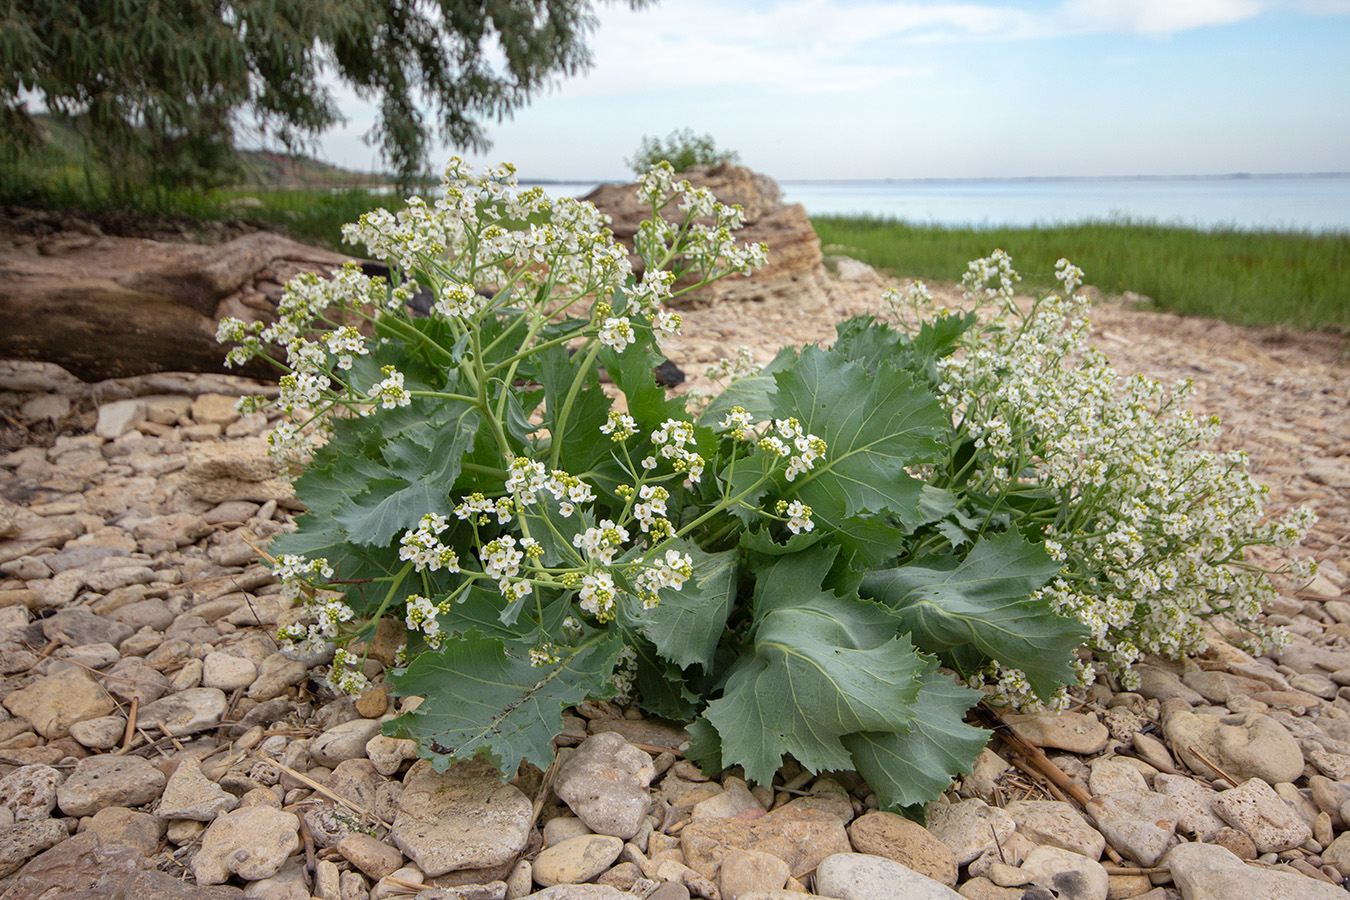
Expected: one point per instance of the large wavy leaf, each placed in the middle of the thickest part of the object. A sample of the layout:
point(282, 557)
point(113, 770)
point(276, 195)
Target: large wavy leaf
point(915, 765)
point(874, 424)
point(819, 667)
point(985, 603)
point(482, 700)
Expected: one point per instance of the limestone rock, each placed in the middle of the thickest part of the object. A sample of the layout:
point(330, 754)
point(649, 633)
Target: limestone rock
point(462, 819)
point(1209, 872)
point(969, 827)
point(1056, 824)
point(1254, 807)
point(604, 782)
point(110, 306)
point(1069, 876)
point(30, 792)
point(20, 842)
point(744, 871)
point(1078, 733)
point(1256, 746)
point(908, 843)
point(1138, 823)
point(799, 837)
point(102, 781)
point(187, 711)
point(59, 700)
point(191, 795)
point(119, 825)
point(373, 857)
point(857, 876)
point(1195, 805)
point(576, 860)
point(252, 843)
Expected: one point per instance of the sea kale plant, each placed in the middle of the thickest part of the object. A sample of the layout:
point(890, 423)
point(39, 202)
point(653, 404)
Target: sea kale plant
point(827, 560)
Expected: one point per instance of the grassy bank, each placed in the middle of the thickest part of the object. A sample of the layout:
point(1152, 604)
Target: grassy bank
point(1249, 278)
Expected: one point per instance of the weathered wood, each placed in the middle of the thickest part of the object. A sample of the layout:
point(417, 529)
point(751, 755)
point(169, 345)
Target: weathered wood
point(108, 307)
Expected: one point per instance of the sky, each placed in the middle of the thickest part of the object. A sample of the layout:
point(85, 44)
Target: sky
point(863, 89)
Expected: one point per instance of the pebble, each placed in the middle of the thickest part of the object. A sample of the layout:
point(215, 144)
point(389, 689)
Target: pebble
point(799, 837)
point(1252, 746)
point(604, 782)
point(969, 828)
point(1194, 803)
point(908, 843)
point(55, 702)
point(1075, 732)
point(372, 856)
point(191, 795)
point(1139, 824)
point(576, 860)
point(251, 843)
point(1067, 875)
point(29, 792)
point(102, 781)
point(1210, 872)
point(23, 840)
point(1056, 824)
point(858, 876)
point(745, 871)
point(464, 818)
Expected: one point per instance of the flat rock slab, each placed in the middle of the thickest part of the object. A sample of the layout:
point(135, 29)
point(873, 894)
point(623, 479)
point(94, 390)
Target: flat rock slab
point(858, 876)
point(464, 818)
point(799, 837)
point(1209, 872)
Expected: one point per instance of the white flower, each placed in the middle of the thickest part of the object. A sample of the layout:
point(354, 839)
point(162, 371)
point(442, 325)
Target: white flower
point(390, 391)
point(616, 332)
point(597, 595)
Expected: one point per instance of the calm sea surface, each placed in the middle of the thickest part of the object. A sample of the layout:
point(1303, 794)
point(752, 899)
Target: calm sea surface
point(1318, 203)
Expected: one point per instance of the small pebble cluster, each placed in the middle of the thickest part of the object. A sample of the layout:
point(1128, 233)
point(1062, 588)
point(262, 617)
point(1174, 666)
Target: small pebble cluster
point(155, 742)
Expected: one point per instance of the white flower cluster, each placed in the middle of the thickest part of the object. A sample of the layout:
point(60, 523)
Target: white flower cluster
point(651, 505)
point(616, 332)
point(619, 426)
point(625, 675)
point(1153, 525)
point(790, 437)
point(601, 542)
point(298, 575)
point(420, 616)
point(671, 570)
point(479, 509)
point(528, 478)
point(704, 225)
point(345, 675)
point(799, 516)
point(390, 391)
point(424, 549)
point(673, 440)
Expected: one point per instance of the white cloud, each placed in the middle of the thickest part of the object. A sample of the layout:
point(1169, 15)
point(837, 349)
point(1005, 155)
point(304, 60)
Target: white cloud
point(1156, 16)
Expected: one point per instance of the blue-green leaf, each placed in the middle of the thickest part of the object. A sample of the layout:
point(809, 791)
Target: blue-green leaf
point(688, 623)
point(482, 700)
point(819, 667)
point(917, 764)
point(874, 425)
point(985, 603)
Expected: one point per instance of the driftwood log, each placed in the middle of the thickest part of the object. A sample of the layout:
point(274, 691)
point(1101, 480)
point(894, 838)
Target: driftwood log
point(109, 307)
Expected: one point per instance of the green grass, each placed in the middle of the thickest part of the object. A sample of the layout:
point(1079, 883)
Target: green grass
point(1289, 279)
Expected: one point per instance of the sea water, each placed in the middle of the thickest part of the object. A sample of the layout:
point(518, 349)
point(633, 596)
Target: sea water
point(1312, 203)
